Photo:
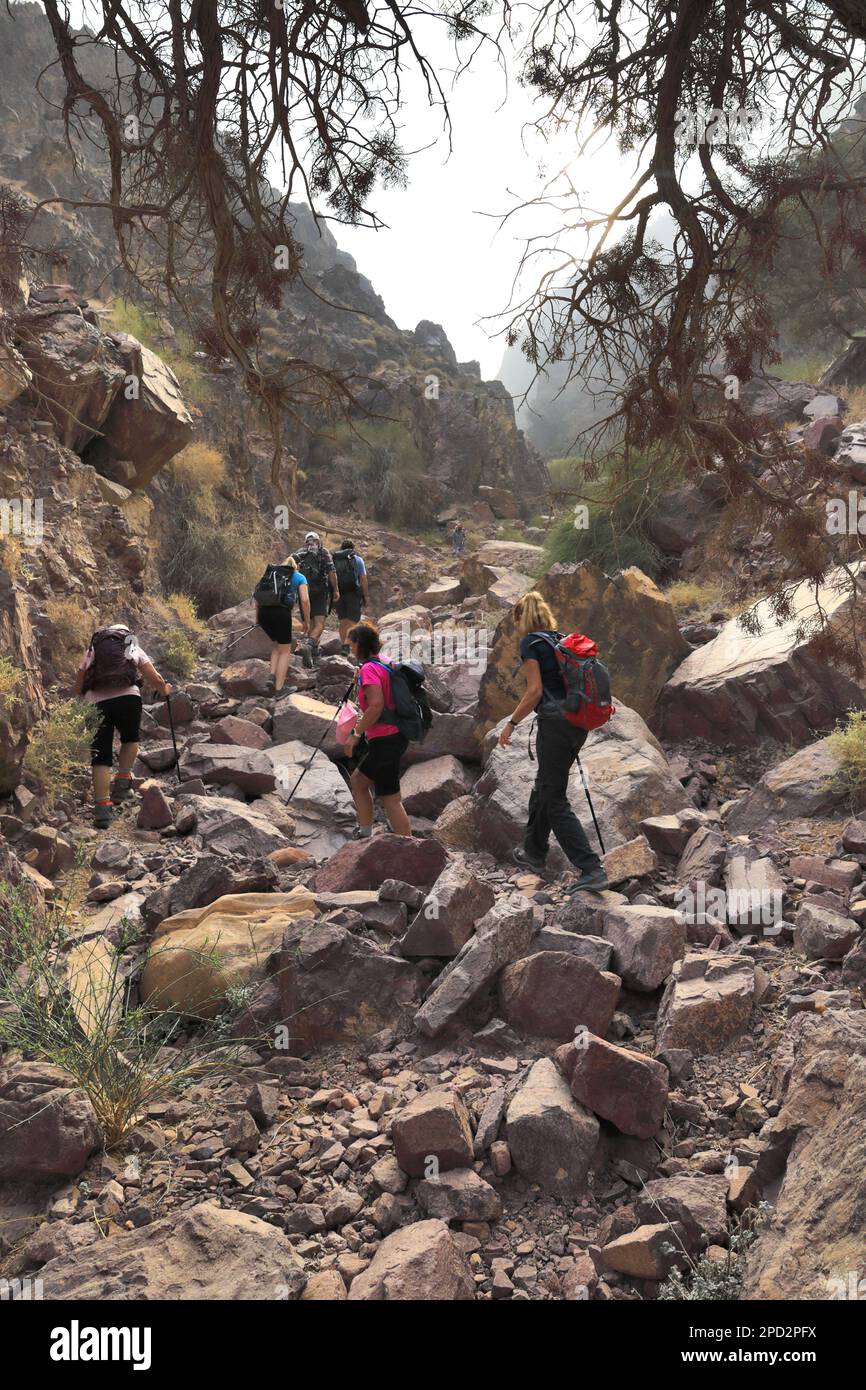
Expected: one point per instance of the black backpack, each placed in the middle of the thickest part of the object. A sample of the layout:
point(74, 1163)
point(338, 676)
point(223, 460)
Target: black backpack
point(411, 713)
point(275, 588)
point(347, 574)
point(313, 565)
point(111, 668)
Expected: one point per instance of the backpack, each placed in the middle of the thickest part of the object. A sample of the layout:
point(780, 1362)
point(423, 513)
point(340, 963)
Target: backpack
point(586, 679)
point(112, 667)
point(347, 574)
point(313, 567)
point(275, 588)
point(411, 712)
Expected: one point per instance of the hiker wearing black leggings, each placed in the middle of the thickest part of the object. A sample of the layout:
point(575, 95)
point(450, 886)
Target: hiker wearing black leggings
point(110, 677)
point(558, 744)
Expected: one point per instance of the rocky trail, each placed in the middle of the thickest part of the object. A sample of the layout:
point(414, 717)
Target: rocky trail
point(450, 1080)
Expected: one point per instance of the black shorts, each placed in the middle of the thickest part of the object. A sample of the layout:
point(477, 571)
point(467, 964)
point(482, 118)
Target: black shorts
point(276, 623)
point(349, 606)
point(379, 759)
point(319, 600)
point(122, 713)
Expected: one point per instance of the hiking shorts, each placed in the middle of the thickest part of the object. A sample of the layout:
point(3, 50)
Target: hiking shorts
point(319, 600)
point(349, 607)
point(276, 623)
point(379, 760)
point(121, 713)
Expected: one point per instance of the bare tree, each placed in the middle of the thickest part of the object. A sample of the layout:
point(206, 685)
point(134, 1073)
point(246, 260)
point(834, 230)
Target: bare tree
point(209, 106)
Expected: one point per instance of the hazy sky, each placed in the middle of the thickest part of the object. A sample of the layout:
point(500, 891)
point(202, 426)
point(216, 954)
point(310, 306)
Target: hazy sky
point(443, 255)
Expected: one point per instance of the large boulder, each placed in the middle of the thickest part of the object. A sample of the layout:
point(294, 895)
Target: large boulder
point(625, 767)
point(428, 787)
point(805, 785)
point(48, 1127)
point(368, 863)
point(447, 919)
point(432, 1134)
point(627, 615)
point(812, 1245)
point(646, 941)
point(502, 935)
point(203, 1252)
point(680, 519)
point(451, 735)
point(149, 426)
point(616, 1083)
point(224, 764)
point(551, 993)
point(742, 686)
point(77, 371)
point(332, 986)
point(322, 789)
point(419, 1263)
point(552, 1139)
point(196, 956)
point(822, 933)
point(707, 1003)
point(232, 827)
point(307, 720)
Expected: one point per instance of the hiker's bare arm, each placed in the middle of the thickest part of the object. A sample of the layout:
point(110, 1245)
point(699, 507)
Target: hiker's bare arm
point(152, 676)
point(305, 606)
point(529, 699)
point(365, 590)
point(332, 580)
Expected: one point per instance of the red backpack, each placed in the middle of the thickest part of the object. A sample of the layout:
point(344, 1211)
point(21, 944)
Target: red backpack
point(586, 679)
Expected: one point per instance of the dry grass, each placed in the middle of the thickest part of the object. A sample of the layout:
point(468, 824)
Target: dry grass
point(59, 748)
point(199, 467)
point(72, 628)
point(689, 596)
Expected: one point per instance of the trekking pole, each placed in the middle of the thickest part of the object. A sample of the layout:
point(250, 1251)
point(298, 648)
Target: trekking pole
point(318, 746)
point(229, 645)
point(591, 807)
point(173, 739)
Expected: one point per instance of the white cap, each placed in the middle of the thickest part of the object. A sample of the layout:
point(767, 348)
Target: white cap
point(312, 536)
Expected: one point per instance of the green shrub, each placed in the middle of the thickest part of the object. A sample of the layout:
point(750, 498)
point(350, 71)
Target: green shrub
point(715, 1280)
point(59, 748)
point(614, 508)
point(213, 561)
point(69, 1003)
point(180, 652)
point(847, 745)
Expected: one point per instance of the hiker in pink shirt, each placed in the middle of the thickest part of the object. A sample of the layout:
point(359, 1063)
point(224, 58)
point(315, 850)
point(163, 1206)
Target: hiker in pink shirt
point(376, 744)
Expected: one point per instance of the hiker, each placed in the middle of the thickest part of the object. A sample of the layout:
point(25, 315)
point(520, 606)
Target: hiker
point(317, 566)
point(110, 676)
point(376, 744)
point(557, 746)
point(280, 587)
point(354, 590)
point(458, 538)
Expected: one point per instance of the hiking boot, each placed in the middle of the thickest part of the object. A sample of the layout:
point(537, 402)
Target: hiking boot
point(590, 883)
point(524, 861)
point(307, 656)
point(102, 815)
point(121, 788)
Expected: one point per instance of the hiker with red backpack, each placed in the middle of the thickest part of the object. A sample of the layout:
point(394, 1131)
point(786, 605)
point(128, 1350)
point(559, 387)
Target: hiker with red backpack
point(568, 690)
point(110, 676)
